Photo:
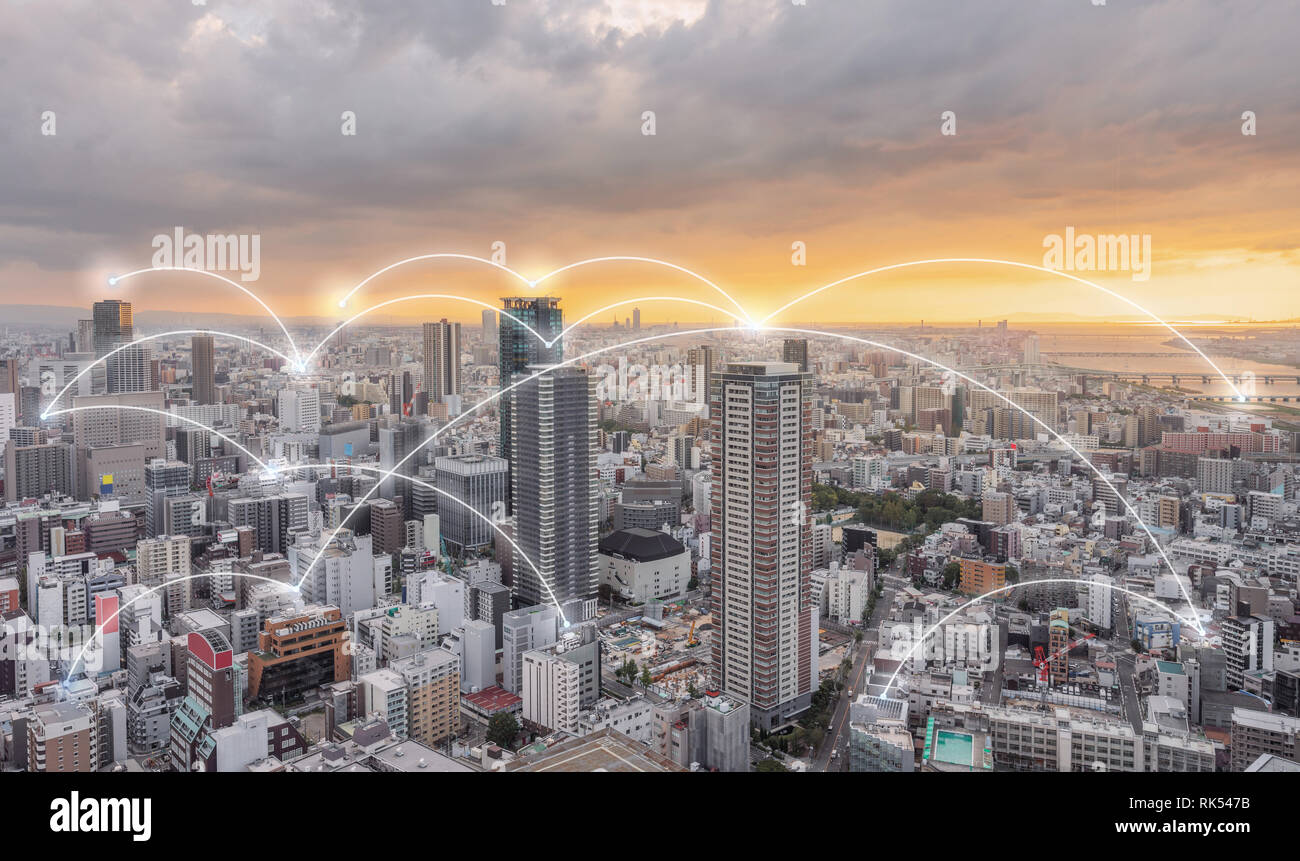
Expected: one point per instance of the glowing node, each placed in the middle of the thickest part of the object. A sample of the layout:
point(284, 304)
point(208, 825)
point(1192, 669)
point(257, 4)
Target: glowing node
point(112, 281)
point(343, 303)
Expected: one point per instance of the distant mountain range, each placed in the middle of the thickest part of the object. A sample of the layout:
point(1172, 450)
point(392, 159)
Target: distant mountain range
point(66, 317)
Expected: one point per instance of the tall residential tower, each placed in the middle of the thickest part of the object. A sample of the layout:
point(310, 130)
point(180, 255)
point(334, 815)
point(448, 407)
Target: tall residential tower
point(765, 644)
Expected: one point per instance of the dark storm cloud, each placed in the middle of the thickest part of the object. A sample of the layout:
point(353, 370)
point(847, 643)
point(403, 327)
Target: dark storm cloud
point(226, 116)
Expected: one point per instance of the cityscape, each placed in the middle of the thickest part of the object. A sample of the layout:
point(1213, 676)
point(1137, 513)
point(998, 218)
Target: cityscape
point(380, 490)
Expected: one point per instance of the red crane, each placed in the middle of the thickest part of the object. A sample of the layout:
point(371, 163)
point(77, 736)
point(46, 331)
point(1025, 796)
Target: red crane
point(1044, 663)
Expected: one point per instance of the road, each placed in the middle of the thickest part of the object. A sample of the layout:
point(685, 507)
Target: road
point(858, 677)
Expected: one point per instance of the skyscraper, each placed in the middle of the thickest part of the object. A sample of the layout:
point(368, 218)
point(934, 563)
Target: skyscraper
point(700, 361)
point(130, 369)
point(441, 360)
point(796, 350)
point(554, 470)
point(85, 342)
point(765, 645)
point(1032, 356)
point(9, 376)
point(489, 325)
point(518, 348)
point(202, 354)
point(478, 481)
point(113, 325)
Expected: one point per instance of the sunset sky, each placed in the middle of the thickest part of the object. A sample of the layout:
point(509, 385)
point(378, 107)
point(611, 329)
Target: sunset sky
point(775, 123)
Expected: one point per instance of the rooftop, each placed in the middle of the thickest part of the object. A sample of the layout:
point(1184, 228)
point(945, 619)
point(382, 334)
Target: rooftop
point(605, 750)
point(641, 545)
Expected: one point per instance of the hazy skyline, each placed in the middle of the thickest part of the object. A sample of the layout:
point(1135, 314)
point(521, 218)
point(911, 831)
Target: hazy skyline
point(774, 124)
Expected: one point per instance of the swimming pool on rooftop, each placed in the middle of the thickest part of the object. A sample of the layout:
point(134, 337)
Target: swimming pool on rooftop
point(955, 748)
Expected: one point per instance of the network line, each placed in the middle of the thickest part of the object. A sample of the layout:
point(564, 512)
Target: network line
point(538, 335)
point(117, 279)
point(99, 630)
point(537, 282)
point(420, 483)
point(1127, 507)
point(978, 598)
point(1036, 268)
point(168, 415)
point(490, 398)
point(46, 413)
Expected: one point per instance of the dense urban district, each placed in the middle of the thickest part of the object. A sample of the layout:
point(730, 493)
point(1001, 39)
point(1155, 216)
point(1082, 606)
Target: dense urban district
point(455, 547)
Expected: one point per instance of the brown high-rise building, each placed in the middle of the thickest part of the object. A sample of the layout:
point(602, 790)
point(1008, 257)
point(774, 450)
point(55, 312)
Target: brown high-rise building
point(387, 527)
point(765, 641)
point(61, 737)
point(114, 325)
point(433, 695)
point(796, 350)
point(441, 359)
point(9, 378)
point(211, 676)
point(202, 358)
point(298, 652)
point(1058, 642)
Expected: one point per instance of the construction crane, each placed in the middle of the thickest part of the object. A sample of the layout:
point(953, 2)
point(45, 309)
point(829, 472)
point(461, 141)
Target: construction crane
point(448, 561)
point(1044, 664)
point(690, 638)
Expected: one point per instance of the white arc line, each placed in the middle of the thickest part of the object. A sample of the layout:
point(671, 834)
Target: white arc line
point(1127, 507)
point(576, 359)
point(538, 335)
point(143, 338)
point(99, 629)
point(116, 279)
point(168, 415)
point(411, 298)
point(421, 483)
point(1019, 265)
point(575, 324)
point(978, 598)
point(538, 281)
point(297, 587)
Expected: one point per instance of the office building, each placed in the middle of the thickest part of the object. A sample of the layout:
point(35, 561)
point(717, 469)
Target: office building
point(297, 652)
point(113, 325)
point(477, 486)
point(795, 351)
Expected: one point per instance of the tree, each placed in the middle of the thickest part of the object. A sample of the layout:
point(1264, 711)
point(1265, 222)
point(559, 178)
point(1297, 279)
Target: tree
point(646, 679)
point(951, 572)
point(503, 729)
point(1137, 646)
point(693, 583)
point(1012, 574)
point(770, 764)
